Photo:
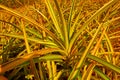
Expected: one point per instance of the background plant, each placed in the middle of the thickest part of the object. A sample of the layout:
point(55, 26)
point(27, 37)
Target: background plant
point(60, 39)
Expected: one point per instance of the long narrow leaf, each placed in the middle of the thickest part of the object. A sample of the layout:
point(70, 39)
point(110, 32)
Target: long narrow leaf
point(50, 73)
point(54, 18)
point(70, 16)
point(89, 71)
point(83, 57)
point(64, 25)
point(17, 61)
point(32, 64)
point(72, 28)
point(98, 71)
point(51, 57)
point(29, 38)
point(107, 64)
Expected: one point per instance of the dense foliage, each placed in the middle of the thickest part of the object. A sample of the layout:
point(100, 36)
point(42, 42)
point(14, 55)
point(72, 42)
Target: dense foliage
point(59, 39)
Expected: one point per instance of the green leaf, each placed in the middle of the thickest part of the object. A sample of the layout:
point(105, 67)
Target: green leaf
point(51, 57)
point(29, 38)
point(54, 18)
point(98, 71)
point(103, 62)
point(64, 25)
